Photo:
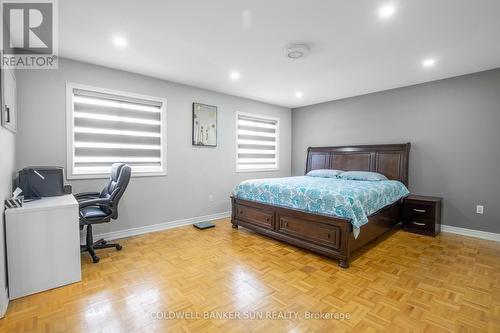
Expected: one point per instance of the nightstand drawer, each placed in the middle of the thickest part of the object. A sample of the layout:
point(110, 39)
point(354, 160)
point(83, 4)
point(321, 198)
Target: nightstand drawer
point(420, 225)
point(418, 211)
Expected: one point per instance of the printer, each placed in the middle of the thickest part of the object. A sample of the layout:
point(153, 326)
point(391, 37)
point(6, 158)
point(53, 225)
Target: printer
point(42, 181)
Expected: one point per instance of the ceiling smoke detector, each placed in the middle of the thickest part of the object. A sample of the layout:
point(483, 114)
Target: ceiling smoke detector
point(297, 51)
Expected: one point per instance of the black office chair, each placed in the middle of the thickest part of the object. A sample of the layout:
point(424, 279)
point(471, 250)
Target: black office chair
point(101, 207)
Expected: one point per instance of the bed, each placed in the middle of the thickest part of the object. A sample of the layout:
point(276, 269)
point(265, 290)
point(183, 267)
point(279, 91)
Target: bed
point(319, 229)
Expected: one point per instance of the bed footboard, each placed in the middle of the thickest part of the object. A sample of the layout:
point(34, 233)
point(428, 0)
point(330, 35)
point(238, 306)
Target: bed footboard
point(325, 235)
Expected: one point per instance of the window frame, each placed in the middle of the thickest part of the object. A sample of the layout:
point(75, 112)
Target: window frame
point(263, 117)
point(70, 151)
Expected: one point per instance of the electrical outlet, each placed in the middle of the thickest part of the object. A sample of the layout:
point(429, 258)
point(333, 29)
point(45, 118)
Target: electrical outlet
point(211, 198)
point(479, 209)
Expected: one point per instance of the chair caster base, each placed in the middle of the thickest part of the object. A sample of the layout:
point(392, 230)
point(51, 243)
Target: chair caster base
point(234, 226)
point(100, 242)
point(90, 246)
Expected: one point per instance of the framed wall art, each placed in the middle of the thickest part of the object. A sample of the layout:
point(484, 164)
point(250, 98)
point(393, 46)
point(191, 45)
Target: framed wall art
point(204, 125)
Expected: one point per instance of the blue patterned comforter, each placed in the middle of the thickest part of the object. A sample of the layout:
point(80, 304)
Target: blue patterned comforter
point(350, 199)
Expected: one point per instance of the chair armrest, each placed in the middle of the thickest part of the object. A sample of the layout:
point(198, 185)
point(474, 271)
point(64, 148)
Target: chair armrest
point(87, 195)
point(101, 202)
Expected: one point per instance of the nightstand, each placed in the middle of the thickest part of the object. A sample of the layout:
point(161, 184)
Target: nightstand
point(422, 214)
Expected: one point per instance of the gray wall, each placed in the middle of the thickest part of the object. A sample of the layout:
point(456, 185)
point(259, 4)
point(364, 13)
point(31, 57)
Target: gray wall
point(193, 173)
point(7, 151)
point(454, 128)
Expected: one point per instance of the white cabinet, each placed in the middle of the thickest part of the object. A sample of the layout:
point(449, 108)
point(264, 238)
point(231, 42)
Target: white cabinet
point(43, 245)
point(9, 99)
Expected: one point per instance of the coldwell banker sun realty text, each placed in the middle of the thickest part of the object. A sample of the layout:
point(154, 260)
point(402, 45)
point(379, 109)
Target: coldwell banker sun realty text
point(29, 34)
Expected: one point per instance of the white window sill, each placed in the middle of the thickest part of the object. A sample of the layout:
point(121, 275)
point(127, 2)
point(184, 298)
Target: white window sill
point(257, 170)
point(102, 175)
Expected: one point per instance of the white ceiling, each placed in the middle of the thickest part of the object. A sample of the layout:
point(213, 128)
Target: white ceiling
point(353, 51)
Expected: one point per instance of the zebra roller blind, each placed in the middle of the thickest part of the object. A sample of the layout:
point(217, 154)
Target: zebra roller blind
point(257, 143)
point(108, 128)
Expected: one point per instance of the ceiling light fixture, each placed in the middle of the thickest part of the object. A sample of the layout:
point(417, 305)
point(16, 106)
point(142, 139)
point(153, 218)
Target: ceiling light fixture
point(296, 51)
point(429, 62)
point(386, 11)
point(235, 76)
point(119, 41)
point(299, 94)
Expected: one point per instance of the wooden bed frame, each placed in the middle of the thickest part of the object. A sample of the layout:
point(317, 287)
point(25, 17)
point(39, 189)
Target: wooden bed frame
point(330, 236)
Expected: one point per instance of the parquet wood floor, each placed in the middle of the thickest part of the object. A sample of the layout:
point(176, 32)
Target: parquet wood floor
point(404, 282)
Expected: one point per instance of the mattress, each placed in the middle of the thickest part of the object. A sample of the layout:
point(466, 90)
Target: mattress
point(353, 200)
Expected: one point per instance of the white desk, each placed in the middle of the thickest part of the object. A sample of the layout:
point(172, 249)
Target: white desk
point(43, 245)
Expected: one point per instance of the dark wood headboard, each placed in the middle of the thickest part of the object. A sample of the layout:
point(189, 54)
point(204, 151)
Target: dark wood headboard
point(389, 160)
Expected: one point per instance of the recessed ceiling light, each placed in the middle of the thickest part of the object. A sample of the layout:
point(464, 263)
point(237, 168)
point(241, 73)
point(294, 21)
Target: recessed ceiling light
point(429, 62)
point(119, 41)
point(296, 51)
point(299, 94)
point(387, 10)
point(235, 76)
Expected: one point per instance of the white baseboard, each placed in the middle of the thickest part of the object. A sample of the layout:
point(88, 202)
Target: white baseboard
point(4, 302)
point(470, 232)
point(156, 227)
point(178, 223)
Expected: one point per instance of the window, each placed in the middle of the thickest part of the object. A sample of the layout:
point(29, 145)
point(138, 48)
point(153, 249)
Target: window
point(107, 126)
point(257, 143)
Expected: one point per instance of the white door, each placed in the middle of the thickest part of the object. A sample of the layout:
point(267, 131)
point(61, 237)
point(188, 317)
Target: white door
point(9, 107)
